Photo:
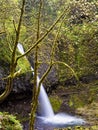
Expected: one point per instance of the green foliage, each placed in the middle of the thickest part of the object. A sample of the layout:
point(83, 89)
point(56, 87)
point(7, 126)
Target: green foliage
point(85, 96)
point(83, 39)
point(5, 52)
point(5, 56)
point(76, 101)
point(82, 10)
point(9, 122)
point(56, 102)
point(78, 48)
point(24, 65)
point(79, 41)
point(22, 33)
point(8, 12)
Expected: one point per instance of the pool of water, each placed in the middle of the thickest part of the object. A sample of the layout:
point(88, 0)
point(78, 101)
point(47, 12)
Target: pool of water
point(60, 120)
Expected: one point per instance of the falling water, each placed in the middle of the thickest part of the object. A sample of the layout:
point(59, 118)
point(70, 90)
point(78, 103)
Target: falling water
point(47, 115)
point(20, 48)
point(45, 108)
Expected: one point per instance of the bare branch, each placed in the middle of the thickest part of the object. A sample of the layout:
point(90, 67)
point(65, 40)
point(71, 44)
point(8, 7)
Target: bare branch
point(2, 32)
point(14, 26)
point(40, 39)
point(18, 32)
point(9, 85)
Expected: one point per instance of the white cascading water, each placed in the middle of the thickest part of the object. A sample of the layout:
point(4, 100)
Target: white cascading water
point(44, 103)
point(45, 108)
point(46, 112)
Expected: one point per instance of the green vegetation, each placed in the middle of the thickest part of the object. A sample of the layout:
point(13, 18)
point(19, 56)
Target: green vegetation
point(56, 102)
point(5, 56)
point(4, 50)
point(84, 96)
point(79, 41)
point(23, 65)
point(73, 41)
point(9, 122)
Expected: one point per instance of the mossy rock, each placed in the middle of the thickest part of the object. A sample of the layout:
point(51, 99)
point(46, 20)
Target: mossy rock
point(24, 65)
point(56, 102)
point(9, 122)
point(6, 56)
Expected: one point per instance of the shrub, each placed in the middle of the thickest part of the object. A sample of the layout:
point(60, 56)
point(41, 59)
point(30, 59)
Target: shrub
point(9, 122)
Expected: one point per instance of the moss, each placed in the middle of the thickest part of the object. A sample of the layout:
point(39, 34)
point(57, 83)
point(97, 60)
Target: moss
point(24, 65)
point(76, 101)
point(56, 102)
point(90, 111)
point(5, 52)
point(9, 122)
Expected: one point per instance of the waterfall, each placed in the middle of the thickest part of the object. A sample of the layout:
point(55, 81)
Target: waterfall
point(47, 115)
point(20, 48)
point(45, 108)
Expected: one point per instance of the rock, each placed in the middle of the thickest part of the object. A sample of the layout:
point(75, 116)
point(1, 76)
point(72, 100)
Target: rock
point(51, 80)
point(21, 84)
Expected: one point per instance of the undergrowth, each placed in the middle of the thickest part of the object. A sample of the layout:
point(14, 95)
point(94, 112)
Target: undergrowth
point(9, 122)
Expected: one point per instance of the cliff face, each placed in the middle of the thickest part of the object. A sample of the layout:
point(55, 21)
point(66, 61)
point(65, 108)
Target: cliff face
point(44, 58)
point(21, 84)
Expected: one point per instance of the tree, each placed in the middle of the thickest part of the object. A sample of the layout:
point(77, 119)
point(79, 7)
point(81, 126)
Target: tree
point(13, 65)
point(15, 58)
point(78, 44)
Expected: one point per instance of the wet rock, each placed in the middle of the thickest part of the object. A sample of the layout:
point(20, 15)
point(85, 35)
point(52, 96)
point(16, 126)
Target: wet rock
point(51, 80)
point(21, 84)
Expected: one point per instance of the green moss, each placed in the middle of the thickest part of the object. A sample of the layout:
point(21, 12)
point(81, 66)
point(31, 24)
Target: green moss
point(56, 102)
point(5, 53)
point(9, 122)
point(24, 65)
point(76, 101)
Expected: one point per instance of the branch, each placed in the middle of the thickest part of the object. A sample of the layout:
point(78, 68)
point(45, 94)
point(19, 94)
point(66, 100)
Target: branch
point(36, 52)
point(9, 85)
point(55, 39)
point(49, 68)
point(60, 62)
point(14, 26)
point(40, 39)
point(39, 16)
point(18, 32)
point(51, 59)
point(2, 32)
point(9, 45)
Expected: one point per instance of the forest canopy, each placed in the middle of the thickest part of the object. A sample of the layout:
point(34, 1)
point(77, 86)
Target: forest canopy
point(77, 41)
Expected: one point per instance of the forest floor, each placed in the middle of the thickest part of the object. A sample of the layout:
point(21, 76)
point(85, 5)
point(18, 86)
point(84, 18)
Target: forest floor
point(81, 100)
